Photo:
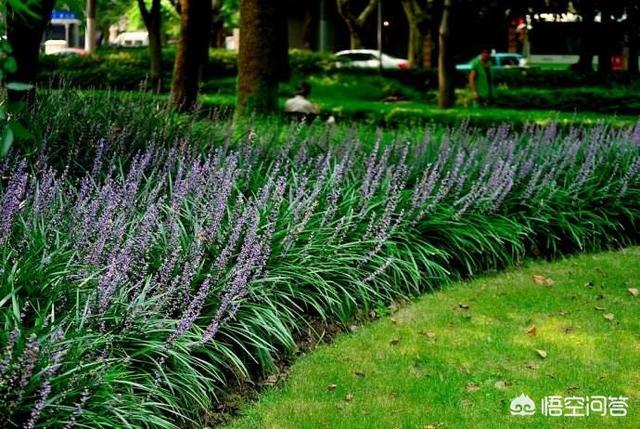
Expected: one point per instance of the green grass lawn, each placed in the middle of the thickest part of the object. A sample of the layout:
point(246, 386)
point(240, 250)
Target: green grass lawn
point(418, 113)
point(456, 358)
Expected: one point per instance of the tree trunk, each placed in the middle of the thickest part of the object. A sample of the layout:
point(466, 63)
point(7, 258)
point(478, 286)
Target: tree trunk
point(428, 50)
point(282, 38)
point(416, 45)
point(217, 25)
point(258, 65)
point(90, 31)
point(604, 51)
point(587, 12)
point(632, 36)
point(416, 14)
point(24, 32)
point(153, 22)
point(191, 55)
point(355, 41)
point(446, 69)
point(155, 55)
point(355, 22)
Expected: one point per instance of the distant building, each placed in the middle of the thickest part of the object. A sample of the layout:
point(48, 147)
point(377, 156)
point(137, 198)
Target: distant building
point(64, 26)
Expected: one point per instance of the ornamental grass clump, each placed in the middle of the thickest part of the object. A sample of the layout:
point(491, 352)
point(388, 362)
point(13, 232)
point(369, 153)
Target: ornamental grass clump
point(135, 289)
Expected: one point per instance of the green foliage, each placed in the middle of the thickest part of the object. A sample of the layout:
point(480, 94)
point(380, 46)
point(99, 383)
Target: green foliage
point(10, 125)
point(340, 210)
point(128, 68)
point(170, 18)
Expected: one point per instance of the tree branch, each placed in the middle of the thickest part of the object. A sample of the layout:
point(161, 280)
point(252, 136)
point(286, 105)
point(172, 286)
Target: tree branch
point(144, 12)
point(362, 18)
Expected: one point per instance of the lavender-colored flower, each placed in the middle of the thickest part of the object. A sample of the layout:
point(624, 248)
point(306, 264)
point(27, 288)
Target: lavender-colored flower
point(78, 409)
point(45, 388)
point(629, 176)
point(10, 203)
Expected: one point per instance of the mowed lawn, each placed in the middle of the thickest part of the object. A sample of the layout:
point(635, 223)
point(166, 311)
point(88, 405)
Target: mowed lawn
point(456, 358)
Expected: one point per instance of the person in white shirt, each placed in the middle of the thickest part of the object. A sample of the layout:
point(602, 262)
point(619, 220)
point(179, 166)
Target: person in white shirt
point(300, 102)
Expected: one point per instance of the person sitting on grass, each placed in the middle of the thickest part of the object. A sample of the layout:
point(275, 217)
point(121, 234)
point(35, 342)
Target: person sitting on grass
point(480, 79)
point(300, 103)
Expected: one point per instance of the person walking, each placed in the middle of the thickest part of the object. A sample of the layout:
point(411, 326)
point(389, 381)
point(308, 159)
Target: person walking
point(480, 78)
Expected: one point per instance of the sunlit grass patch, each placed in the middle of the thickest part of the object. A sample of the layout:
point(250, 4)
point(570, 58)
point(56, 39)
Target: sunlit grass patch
point(439, 363)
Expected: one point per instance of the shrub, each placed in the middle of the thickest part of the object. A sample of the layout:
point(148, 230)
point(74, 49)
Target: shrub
point(128, 68)
point(136, 287)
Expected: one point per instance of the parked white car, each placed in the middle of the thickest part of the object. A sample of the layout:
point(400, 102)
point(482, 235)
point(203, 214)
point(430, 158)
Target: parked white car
point(130, 39)
point(369, 59)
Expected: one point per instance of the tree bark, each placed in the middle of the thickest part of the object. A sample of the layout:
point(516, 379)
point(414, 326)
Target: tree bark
point(282, 39)
point(90, 30)
point(192, 52)
point(446, 69)
point(355, 41)
point(153, 22)
point(217, 25)
point(416, 46)
point(632, 36)
point(258, 66)
point(24, 32)
point(604, 51)
point(355, 22)
point(418, 17)
point(587, 12)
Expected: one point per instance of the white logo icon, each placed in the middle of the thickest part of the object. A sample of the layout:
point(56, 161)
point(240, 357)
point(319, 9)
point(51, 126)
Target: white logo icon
point(522, 406)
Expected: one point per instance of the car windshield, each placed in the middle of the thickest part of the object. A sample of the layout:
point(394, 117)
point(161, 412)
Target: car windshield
point(357, 57)
point(510, 61)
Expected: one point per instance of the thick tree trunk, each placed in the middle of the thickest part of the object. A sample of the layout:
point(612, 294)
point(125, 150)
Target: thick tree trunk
point(417, 17)
point(284, 68)
point(355, 41)
point(416, 45)
point(429, 50)
point(446, 93)
point(632, 36)
point(217, 25)
point(217, 33)
point(153, 22)
point(604, 51)
point(587, 37)
point(355, 22)
point(155, 56)
point(191, 55)
point(258, 66)
point(90, 30)
point(24, 32)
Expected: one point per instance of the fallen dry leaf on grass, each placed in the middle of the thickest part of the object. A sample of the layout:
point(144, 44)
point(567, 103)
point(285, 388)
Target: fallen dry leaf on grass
point(271, 380)
point(332, 387)
point(633, 291)
point(349, 397)
point(472, 387)
point(542, 280)
point(463, 306)
point(609, 316)
point(541, 353)
point(532, 330)
point(501, 385)
point(429, 335)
